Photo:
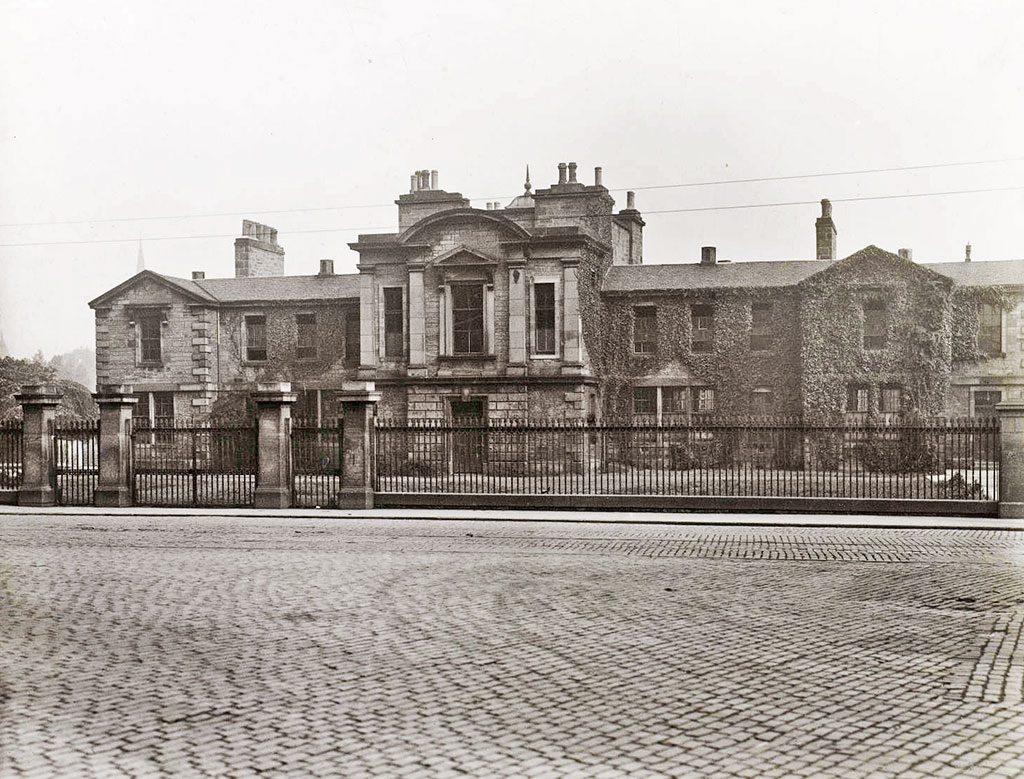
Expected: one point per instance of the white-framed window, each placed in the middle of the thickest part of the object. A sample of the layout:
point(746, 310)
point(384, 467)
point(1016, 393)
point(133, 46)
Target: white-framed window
point(875, 324)
point(890, 399)
point(645, 330)
point(466, 314)
point(254, 336)
point(857, 399)
point(669, 403)
point(702, 321)
point(545, 317)
point(760, 327)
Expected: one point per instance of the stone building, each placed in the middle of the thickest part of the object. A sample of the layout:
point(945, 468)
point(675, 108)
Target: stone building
point(544, 308)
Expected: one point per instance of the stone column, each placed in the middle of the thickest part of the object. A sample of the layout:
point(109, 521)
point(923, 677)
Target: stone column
point(116, 404)
point(39, 409)
point(1011, 463)
point(417, 318)
point(358, 403)
point(572, 338)
point(273, 419)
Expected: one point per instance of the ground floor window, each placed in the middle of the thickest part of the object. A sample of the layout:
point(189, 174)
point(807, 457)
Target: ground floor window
point(985, 402)
point(672, 403)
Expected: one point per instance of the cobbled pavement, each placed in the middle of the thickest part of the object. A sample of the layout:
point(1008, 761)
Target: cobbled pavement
point(374, 648)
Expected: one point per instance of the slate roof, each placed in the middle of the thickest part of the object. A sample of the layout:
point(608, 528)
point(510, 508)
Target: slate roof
point(784, 273)
point(280, 288)
point(982, 274)
point(723, 275)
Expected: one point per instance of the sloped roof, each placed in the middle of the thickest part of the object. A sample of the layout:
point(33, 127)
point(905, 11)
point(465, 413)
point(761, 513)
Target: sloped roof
point(723, 275)
point(987, 273)
point(270, 289)
point(281, 288)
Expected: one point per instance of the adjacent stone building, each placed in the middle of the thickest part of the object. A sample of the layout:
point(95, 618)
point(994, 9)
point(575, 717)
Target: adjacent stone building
point(543, 308)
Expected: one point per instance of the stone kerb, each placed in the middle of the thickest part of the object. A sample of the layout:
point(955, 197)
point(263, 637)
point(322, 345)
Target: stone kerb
point(39, 410)
point(274, 412)
point(1011, 464)
point(116, 404)
point(358, 405)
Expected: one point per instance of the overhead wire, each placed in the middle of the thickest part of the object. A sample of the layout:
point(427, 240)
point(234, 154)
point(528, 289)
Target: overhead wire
point(640, 188)
point(562, 217)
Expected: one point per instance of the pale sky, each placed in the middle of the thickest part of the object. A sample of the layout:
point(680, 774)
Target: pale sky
point(120, 110)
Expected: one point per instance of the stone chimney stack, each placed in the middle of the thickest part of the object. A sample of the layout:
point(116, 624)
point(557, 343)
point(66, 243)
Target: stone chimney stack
point(561, 173)
point(907, 254)
point(825, 231)
point(198, 275)
point(967, 253)
point(257, 252)
point(708, 255)
point(326, 268)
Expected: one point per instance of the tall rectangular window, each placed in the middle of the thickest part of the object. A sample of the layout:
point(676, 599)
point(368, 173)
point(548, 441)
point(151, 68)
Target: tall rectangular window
point(544, 317)
point(306, 343)
point(467, 318)
point(645, 400)
point(673, 400)
point(857, 399)
point(351, 339)
point(645, 330)
point(990, 329)
point(149, 335)
point(890, 400)
point(702, 328)
point(703, 400)
point(760, 327)
point(762, 402)
point(163, 415)
point(874, 324)
point(256, 338)
point(394, 321)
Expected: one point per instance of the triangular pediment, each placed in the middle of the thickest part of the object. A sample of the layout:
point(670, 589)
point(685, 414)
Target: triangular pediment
point(186, 289)
point(462, 256)
point(872, 255)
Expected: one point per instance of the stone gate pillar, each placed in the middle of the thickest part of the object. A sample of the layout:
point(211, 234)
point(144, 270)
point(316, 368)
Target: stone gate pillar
point(116, 403)
point(273, 419)
point(358, 404)
point(39, 410)
point(1011, 463)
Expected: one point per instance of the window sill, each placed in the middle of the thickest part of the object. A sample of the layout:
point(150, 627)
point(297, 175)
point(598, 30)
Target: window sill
point(544, 357)
point(255, 363)
point(463, 357)
point(150, 364)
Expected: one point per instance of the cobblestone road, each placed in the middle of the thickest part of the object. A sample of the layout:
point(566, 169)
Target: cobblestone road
point(237, 647)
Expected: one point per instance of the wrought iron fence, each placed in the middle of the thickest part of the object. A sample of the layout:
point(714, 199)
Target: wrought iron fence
point(927, 459)
point(316, 462)
point(184, 463)
point(76, 461)
point(11, 454)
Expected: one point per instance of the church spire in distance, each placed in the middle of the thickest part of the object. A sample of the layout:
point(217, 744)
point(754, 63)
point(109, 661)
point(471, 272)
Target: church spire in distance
point(140, 265)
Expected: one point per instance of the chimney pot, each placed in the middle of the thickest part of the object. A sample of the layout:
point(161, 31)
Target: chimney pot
point(489, 205)
point(198, 275)
point(826, 208)
point(707, 255)
point(631, 201)
point(561, 172)
point(326, 267)
point(967, 253)
point(433, 179)
point(572, 173)
point(412, 183)
point(597, 177)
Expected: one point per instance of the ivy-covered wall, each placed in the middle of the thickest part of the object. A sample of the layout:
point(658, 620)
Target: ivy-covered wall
point(732, 367)
point(916, 355)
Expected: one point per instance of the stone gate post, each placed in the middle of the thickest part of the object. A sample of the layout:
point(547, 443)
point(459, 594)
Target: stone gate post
point(273, 419)
point(116, 403)
point(1011, 463)
point(358, 403)
point(39, 410)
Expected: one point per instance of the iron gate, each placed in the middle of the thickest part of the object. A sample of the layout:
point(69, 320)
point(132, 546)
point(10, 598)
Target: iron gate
point(316, 463)
point(192, 464)
point(76, 461)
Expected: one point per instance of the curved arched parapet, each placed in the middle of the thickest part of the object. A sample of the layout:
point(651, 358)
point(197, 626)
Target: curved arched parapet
point(463, 214)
